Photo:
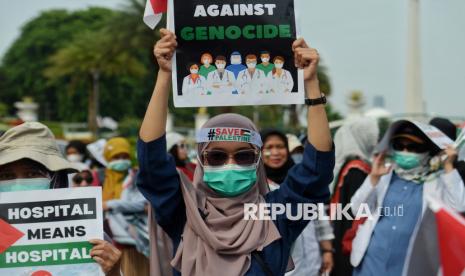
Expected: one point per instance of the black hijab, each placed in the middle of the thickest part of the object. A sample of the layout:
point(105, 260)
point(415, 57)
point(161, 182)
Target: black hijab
point(277, 175)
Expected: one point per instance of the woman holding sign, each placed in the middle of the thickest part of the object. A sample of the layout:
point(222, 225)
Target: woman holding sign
point(31, 160)
point(205, 217)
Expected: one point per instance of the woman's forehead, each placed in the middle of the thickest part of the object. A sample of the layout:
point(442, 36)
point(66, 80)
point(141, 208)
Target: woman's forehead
point(274, 139)
point(22, 164)
point(229, 146)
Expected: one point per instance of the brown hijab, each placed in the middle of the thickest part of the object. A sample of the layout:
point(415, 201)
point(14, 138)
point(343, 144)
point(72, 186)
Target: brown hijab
point(216, 239)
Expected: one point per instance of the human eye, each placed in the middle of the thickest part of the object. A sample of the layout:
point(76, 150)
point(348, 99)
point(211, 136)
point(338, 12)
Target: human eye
point(34, 174)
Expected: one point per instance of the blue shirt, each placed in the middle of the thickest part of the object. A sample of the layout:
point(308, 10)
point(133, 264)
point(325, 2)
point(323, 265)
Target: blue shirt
point(307, 182)
point(387, 250)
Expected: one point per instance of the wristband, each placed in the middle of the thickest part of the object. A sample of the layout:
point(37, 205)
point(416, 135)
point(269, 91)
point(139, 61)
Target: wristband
point(318, 101)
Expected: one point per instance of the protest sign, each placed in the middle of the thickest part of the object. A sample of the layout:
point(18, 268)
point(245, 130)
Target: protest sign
point(234, 53)
point(47, 232)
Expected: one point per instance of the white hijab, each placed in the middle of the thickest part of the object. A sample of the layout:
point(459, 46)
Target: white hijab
point(357, 137)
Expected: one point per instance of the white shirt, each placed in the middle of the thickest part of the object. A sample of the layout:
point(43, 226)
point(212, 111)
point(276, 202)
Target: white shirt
point(281, 84)
point(191, 87)
point(247, 83)
point(225, 85)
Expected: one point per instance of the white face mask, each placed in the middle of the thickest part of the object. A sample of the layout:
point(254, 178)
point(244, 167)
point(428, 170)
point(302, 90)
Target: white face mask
point(251, 65)
point(220, 65)
point(206, 61)
point(278, 65)
point(25, 184)
point(74, 158)
point(194, 71)
point(236, 60)
point(265, 60)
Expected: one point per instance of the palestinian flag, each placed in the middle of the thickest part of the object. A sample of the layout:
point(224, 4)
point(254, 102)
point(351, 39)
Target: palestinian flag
point(154, 10)
point(439, 244)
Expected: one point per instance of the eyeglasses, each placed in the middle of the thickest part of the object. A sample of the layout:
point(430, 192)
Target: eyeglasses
point(411, 147)
point(241, 157)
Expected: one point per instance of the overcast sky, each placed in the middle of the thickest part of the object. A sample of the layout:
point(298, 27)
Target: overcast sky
point(362, 43)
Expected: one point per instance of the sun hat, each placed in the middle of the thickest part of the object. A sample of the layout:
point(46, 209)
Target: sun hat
point(36, 142)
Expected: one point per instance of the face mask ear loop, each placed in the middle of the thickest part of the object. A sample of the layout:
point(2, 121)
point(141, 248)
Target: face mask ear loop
point(53, 180)
point(259, 159)
point(201, 153)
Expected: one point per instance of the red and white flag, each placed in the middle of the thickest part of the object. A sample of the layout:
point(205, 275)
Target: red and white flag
point(154, 10)
point(439, 244)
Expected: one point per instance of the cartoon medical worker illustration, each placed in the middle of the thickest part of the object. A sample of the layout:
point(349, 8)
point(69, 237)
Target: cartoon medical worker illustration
point(221, 80)
point(206, 68)
point(236, 65)
point(194, 84)
point(266, 66)
point(280, 80)
point(251, 79)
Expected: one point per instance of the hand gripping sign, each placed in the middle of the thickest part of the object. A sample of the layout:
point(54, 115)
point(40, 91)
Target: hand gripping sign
point(47, 232)
point(234, 53)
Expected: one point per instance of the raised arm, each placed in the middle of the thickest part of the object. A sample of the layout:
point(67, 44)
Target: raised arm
point(158, 179)
point(154, 124)
point(318, 132)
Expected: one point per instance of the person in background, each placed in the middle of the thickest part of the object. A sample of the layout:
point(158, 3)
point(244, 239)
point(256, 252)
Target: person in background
point(450, 129)
point(82, 179)
point(30, 160)
point(120, 198)
point(296, 149)
point(117, 155)
point(177, 147)
point(312, 251)
point(355, 142)
point(97, 161)
point(76, 153)
point(381, 244)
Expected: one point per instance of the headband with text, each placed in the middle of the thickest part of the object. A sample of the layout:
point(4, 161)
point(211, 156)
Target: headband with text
point(229, 134)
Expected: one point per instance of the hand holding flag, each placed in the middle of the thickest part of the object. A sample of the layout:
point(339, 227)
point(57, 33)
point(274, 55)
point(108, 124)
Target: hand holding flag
point(153, 13)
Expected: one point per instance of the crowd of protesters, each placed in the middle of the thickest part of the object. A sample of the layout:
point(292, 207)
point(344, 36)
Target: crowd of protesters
point(174, 216)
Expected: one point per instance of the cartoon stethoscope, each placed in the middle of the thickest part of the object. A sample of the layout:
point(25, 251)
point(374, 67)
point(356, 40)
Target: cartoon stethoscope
point(283, 76)
point(244, 76)
point(217, 76)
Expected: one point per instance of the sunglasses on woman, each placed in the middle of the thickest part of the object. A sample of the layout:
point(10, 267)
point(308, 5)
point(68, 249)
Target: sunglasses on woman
point(78, 178)
point(219, 158)
point(400, 145)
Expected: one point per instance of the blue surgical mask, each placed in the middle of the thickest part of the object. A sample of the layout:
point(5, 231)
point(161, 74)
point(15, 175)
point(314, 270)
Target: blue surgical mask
point(24, 184)
point(408, 160)
point(230, 180)
point(121, 165)
point(297, 157)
